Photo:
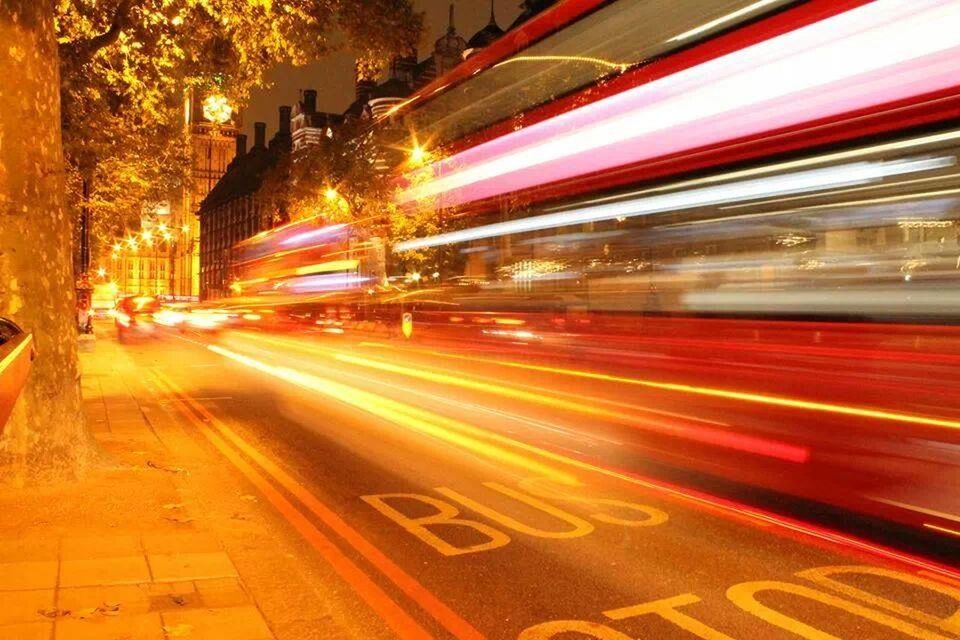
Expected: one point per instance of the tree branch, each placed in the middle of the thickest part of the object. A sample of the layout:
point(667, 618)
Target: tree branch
point(79, 51)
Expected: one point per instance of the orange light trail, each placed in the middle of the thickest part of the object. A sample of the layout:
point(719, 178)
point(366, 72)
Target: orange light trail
point(727, 394)
point(733, 508)
point(705, 435)
point(737, 441)
point(440, 427)
point(952, 532)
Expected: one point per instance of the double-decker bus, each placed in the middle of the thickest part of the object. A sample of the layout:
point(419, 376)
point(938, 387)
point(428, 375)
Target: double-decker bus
point(306, 256)
point(749, 201)
point(748, 206)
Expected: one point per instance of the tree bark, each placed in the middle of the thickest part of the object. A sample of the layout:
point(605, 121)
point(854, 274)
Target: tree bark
point(46, 437)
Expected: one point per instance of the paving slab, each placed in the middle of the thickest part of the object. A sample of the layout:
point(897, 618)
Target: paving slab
point(235, 623)
point(29, 631)
point(130, 598)
point(104, 571)
point(191, 566)
point(192, 542)
point(89, 547)
point(146, 626)
point(222, 592)
point(23, 576)
point(18, 607)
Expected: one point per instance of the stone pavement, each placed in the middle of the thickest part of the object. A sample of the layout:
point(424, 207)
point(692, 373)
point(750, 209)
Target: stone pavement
point(136, 550)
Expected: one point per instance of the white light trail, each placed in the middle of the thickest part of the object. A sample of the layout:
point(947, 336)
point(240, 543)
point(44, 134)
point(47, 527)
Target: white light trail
point(799, 182)
point(750, 8)
point(878, 53)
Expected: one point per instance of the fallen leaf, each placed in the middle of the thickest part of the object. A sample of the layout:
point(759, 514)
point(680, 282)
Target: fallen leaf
point(173, 505)
point(52, 612)
point(178, 600)
point(178, 631)
point(179, 520)
point(110, 608)
point(83, 614)
point(163, 467)
point(239, 516)
point(248, 498)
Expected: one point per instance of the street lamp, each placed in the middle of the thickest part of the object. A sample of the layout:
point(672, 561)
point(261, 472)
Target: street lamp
point(217, 109)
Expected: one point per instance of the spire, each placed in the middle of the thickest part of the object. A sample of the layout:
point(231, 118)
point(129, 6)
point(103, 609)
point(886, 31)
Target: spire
point(450, 27)
point(493, 17)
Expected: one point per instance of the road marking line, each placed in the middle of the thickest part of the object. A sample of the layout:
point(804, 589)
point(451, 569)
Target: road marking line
point(941, 578)
point(398, 619)
point(449, 619)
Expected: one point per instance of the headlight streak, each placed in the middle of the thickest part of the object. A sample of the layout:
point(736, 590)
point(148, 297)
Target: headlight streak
point(315, 349)
point(886, 149)
point(841, 192)
point(730, 508)
point(834, 66)
point(442, 428)
point(733, 15)
point(856, 173)
point(728, 394)
point(705, 435)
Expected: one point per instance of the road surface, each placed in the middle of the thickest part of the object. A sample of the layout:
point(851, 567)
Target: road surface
point(469, 495)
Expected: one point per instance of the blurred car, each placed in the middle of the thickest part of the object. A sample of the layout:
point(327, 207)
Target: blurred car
point(134, 317)
point(16, 355)
point(104, 300)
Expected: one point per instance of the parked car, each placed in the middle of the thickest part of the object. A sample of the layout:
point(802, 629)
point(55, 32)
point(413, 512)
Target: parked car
point(16, 356)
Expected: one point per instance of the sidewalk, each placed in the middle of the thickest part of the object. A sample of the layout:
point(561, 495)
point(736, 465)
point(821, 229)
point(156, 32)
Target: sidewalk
point(148, 546)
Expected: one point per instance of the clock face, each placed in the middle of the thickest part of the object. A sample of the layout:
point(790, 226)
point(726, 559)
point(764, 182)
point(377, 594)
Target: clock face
point(216, 109)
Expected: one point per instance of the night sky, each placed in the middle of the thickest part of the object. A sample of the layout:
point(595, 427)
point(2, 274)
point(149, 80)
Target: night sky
point(333, 77)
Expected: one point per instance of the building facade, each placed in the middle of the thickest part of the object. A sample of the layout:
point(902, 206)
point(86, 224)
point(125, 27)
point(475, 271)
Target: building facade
point(239, 206)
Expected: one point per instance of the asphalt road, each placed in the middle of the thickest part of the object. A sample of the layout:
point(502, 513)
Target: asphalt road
point(522, 500)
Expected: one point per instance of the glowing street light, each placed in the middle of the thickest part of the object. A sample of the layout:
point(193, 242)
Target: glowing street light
point(419, 156)
point(185, 228)
point(217, 109)
point(117, 246)
point(101, 272)
point(147, 236)
point(331, 194)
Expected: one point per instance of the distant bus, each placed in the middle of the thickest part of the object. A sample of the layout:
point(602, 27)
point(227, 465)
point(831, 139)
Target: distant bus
point(307, 256)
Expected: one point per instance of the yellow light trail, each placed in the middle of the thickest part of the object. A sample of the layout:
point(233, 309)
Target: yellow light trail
point(952, 532)
point(727, 394)
point(600, 62)
point(405, 415)
point(706, 435)
point(687, 495)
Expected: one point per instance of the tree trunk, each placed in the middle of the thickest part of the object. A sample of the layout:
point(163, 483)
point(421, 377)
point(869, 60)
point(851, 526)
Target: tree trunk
point(46, 437)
